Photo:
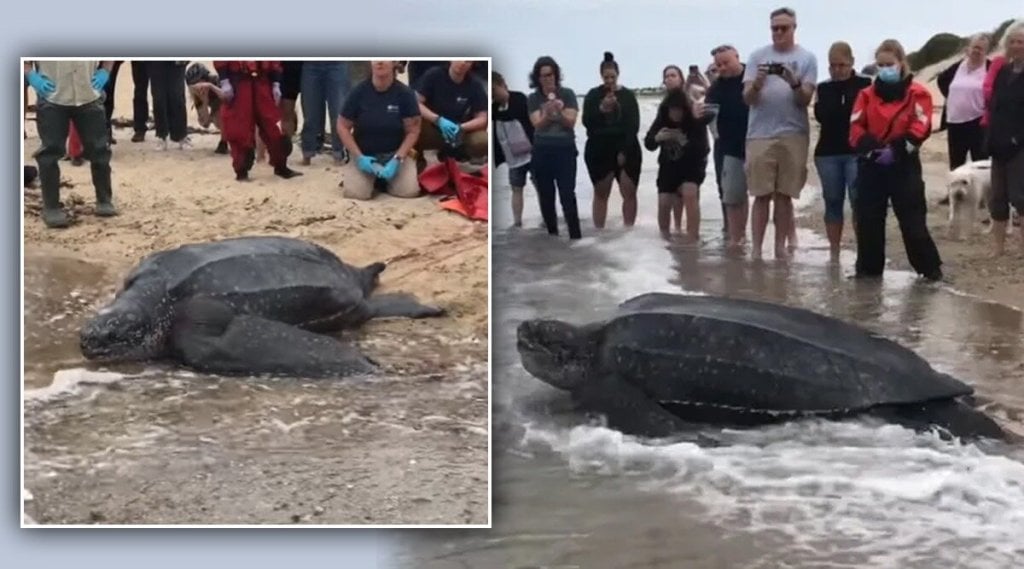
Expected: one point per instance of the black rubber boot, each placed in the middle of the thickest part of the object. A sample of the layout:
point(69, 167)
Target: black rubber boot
point(286, 172)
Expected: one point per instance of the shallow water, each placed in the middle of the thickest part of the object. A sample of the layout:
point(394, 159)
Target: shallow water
point(569, 494)
point(158, 444)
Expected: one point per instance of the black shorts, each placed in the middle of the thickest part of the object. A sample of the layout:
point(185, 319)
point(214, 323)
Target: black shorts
point(602, 159)
point(672, 175)
point(291, 80)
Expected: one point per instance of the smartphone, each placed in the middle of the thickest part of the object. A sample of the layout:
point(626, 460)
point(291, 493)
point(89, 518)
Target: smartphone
point(694, 70)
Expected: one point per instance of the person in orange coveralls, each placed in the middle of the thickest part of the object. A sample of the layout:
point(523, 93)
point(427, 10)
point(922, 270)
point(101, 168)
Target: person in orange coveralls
point(251, 93)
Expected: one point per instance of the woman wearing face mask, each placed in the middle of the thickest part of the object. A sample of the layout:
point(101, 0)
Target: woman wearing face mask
point(890, 121)
point(833, 158)
point(682, 162)
point(611, 116)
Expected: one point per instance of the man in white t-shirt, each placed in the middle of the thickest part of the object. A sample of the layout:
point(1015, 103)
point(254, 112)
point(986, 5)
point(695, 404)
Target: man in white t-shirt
point(779, 83)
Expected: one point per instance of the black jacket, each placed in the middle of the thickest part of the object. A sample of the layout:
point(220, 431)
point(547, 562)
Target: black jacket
point(945, 79)
point(832, 110)
point(1006, 119)
point(516, 111)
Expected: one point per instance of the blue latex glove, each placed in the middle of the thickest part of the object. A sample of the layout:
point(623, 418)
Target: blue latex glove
point(277, 93)
point(366, 164)
point(389, 170)
point(41, 83)
point(100, 78)
point(885, 156)
point(449, 130)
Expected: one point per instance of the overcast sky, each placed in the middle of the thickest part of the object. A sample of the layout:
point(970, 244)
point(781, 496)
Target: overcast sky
point(646, 35)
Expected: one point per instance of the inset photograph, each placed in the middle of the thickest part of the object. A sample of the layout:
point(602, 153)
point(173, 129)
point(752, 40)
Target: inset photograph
point(255, 292)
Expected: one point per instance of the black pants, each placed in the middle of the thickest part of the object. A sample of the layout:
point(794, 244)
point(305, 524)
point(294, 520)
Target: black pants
point(54, 122)
point(167, 82)
point(719, 158)
point(554, 170)
point(903, 185)
point(140, 101)
point(963, 138)
point(108, 104)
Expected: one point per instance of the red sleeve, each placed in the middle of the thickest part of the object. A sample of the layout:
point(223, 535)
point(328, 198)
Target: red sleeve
point(858, 118)
point(920, 125)
point(990, 79)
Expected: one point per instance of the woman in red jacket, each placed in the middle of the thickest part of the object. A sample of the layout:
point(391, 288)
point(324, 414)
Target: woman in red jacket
point(891, 120)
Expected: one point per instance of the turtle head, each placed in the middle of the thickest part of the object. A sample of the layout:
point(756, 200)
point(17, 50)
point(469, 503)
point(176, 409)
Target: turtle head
point(554, 351)
point(371, 276)
point(131, 327)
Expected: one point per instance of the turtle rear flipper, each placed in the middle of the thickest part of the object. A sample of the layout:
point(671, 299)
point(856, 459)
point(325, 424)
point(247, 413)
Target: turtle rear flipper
point(401, 305)
point(209, 337)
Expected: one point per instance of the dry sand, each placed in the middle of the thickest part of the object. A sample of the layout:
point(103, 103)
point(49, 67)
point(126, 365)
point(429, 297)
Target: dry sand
point(177, 196)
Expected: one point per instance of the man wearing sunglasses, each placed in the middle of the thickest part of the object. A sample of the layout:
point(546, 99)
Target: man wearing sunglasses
point(779, 83)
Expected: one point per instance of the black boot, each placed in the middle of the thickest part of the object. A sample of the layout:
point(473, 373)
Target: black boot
point(222, 148)
point(286, 172)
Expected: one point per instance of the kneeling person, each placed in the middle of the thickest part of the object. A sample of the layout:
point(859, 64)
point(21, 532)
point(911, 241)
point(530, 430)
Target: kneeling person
point(379, 124)
point(454, 102)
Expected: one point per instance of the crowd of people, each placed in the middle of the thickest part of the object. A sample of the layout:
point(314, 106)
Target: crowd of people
point(375, 121)
point(752, 119)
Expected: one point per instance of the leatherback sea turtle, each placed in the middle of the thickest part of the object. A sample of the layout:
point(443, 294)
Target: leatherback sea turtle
point(247, 305)
point(664, 363)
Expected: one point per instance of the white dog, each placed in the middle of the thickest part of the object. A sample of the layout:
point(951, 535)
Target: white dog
point(969, 187)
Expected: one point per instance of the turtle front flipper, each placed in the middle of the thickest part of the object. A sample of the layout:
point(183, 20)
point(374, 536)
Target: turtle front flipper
point(401, 305)
point(628, 409)
point(210, 337)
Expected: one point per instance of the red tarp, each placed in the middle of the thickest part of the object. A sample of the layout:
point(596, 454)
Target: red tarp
point(466, 194)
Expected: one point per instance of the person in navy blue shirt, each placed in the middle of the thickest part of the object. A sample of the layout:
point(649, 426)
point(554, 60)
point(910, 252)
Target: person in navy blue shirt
point(453, 103)
point(379, 125)
point(727, 93)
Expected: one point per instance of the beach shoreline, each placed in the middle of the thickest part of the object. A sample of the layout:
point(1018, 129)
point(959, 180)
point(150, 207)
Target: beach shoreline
point(429, 471)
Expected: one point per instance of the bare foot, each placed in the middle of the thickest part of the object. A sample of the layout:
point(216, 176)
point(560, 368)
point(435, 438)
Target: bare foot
point(782, 253)
point(756, 254)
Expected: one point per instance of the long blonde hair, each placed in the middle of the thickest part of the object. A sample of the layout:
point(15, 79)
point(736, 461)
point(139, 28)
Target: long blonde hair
point(1016, 27)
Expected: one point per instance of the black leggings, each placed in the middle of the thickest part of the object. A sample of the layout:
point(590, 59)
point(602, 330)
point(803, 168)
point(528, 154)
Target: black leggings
point(903, 185)
point(963, 138)
point(554, 171)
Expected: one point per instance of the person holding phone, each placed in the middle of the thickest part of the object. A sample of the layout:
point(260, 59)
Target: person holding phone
point(611, 116)
point(779, 83)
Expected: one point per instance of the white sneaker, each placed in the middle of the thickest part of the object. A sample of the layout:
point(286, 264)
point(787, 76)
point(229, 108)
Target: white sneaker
point(185, 144)
point(161, 144)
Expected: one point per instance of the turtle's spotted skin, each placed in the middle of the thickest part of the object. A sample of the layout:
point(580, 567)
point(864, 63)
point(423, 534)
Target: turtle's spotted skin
point(247, 305)
point(665, 361)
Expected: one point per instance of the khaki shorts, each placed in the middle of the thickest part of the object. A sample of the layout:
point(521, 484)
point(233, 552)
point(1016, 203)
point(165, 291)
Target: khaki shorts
point(777, 165)
point(359, 185)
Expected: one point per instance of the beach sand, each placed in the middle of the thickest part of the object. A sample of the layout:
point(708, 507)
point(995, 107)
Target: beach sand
point(168, 198)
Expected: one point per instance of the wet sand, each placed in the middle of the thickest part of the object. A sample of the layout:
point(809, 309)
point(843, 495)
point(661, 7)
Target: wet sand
point(968, 263)
point(409, 449)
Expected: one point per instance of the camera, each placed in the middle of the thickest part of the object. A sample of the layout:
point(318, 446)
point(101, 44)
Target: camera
point(774, 68)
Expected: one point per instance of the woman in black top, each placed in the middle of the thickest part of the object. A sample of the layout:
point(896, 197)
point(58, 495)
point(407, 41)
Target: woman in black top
point(682, 162)
point(835, 161)
point(611, 116)
point(1006, 138)
point(512, 138)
